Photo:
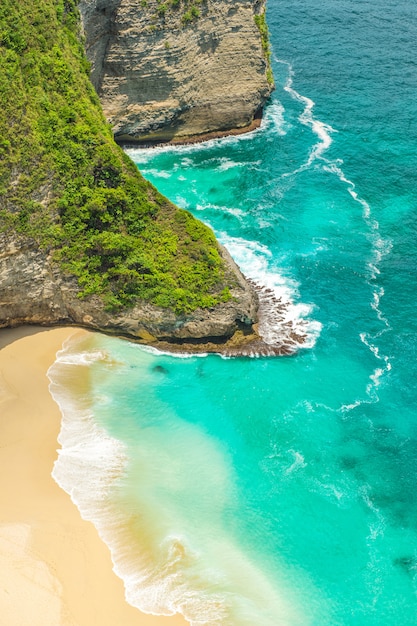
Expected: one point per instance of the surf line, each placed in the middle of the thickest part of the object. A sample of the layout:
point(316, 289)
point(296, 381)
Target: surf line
point(380, 247)
point(321, 129)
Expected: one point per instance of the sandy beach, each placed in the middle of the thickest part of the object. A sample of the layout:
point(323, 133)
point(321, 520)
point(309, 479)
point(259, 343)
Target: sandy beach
point(54, 569)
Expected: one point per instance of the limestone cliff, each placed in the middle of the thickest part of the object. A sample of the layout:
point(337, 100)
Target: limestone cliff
point(168, 70)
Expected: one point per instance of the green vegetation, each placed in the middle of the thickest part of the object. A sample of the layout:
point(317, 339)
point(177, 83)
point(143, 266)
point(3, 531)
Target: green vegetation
point(260, 21)
point(65, 184)
point(170, 9)
point(190, 15)
point(162, 8)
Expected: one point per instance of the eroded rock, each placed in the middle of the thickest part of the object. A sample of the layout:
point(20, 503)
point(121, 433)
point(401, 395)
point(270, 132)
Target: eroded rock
point(168, 71)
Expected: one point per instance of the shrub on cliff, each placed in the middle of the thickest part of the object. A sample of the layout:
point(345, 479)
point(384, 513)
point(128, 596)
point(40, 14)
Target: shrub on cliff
point(65, 184)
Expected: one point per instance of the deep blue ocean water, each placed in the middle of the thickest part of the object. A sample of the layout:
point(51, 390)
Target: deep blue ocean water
point(266, 491)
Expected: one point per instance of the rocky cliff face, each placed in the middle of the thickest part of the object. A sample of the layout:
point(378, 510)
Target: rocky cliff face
point(168, 70)
point(34, 291)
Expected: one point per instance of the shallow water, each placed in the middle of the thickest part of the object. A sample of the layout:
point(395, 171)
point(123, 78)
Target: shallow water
point(278, 491)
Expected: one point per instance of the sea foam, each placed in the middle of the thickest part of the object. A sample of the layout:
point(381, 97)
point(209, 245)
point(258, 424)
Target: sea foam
point(380, 246)
point(256, 262)
point(322, 130)
point(128, 489)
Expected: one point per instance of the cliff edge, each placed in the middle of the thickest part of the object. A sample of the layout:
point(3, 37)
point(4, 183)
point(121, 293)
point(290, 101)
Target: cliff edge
point(171, 70)
point(84, 239)
point(33, 290)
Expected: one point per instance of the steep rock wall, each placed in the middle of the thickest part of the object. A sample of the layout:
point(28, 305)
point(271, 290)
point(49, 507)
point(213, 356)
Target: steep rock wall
point(174, 69)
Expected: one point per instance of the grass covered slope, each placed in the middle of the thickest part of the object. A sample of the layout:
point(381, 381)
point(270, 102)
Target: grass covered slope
point(66, 185)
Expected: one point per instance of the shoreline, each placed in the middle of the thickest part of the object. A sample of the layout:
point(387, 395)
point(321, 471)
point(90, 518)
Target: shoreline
point(54, 568)
point(190, 140)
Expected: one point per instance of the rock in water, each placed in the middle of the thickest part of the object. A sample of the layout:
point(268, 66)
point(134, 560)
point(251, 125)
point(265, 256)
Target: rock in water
point(172, 70)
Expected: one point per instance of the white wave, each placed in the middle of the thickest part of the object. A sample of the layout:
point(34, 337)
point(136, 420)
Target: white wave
point(376, 376)
point(345, 408)
point(329, 490)
point(320, 129)
point(274, 119)
point(378, 528)
point(299, 462)
point(87, 452)
point(224, 164)
point(224, 209)
point(380, 247)
point(256, 262)
point(156, 173)
point(175, 355)
point(378, 372)
point(81, 358)
point(263, 223)
point(186, 162)
point(182, 202)
point(228, 165)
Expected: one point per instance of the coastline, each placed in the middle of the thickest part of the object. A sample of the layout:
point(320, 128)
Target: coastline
point(54, 568)
point(129, 142)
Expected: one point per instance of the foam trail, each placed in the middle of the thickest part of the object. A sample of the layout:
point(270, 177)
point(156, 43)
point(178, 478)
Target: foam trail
point(157, 173)
point(320, 129)
point(235, 212)
point(274, 119)
point(377, 530)
point(380, 247)
point(298, 463)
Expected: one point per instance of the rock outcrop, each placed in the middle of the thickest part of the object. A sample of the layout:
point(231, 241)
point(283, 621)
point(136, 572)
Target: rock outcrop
point(170, 70)
point(34, 291)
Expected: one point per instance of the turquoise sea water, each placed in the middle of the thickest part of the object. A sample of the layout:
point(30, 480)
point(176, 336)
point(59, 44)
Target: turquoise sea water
point(262, 491)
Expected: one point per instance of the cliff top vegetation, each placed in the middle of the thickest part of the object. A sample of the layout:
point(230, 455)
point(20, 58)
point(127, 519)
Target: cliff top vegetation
point(66, 185)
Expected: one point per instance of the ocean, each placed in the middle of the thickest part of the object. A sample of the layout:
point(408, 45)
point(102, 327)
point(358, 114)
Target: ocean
point(266, 491)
